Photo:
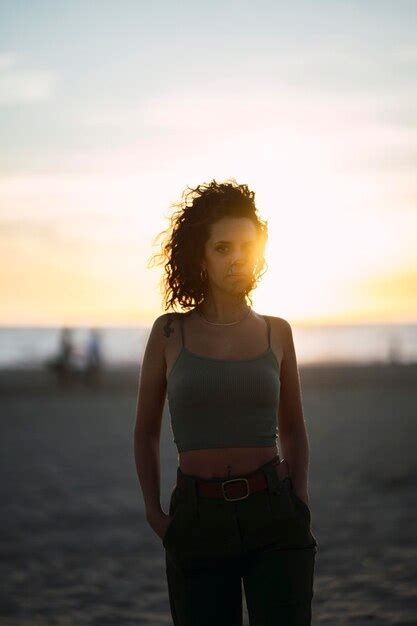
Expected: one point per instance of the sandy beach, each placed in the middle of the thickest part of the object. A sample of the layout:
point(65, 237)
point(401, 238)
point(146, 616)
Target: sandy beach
point(75, 545)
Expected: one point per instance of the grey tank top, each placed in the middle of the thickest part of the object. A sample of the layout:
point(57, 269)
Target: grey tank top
point(222, 403)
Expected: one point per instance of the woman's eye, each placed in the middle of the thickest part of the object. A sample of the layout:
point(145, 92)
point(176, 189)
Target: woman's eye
point(221, 248)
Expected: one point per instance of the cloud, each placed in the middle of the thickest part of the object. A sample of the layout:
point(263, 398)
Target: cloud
point(23, 86)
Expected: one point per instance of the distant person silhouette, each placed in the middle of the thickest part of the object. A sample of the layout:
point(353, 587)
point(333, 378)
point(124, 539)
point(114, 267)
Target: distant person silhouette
point(67, 347)
point(62, 363)
point(93, 364)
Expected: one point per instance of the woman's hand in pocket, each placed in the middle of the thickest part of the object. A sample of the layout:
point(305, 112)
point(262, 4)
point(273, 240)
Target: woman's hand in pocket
point(303, 496)
point(160, 524)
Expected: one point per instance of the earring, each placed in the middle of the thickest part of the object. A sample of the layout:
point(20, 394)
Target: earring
point(203, 275)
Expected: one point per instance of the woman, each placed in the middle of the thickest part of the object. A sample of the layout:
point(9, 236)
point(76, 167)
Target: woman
point(237, 512)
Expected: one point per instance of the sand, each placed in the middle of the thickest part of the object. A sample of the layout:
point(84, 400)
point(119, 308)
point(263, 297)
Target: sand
point(75, 545)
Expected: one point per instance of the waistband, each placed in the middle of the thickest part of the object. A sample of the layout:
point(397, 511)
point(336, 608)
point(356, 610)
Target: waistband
point(235, 487)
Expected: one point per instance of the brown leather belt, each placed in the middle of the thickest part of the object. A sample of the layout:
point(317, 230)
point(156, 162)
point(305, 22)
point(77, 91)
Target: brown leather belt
point(237, 488)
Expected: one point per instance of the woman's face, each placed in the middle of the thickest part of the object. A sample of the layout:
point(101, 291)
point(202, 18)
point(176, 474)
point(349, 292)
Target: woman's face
point(231, 253)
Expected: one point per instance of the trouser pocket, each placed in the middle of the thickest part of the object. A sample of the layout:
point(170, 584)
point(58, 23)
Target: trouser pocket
point(303, 510)
point(300, 505)
point(183, 532)
point(292, 517)
point(173, 511)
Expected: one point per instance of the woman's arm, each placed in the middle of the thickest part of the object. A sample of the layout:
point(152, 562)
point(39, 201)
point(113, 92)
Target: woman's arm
point(149, 411)
point(291, 423)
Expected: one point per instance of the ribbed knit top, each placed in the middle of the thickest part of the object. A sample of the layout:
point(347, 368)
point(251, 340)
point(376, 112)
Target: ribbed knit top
point(222, 403)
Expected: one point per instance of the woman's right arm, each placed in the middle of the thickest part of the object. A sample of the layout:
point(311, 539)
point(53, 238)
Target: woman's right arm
point(149, 412)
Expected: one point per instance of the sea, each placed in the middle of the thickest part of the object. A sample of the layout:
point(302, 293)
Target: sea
point(29, 347)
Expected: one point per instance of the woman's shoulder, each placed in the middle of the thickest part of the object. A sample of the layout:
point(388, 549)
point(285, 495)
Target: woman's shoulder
point(166, 322)
point(279, 322)
point(280, 326)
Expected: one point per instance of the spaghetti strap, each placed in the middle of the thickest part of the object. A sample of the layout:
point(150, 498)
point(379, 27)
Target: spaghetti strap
point(269, 329)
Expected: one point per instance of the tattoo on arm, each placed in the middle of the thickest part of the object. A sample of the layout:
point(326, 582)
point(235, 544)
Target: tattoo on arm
point(168, 329)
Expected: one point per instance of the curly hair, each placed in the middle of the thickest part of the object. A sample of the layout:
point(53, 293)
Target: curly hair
point(189, 229)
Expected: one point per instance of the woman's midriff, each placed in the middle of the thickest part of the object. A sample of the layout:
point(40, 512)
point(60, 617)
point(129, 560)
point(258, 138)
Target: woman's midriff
point(225, 462)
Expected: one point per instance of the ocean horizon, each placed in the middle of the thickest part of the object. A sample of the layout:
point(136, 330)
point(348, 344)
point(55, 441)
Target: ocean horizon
point(32, 346)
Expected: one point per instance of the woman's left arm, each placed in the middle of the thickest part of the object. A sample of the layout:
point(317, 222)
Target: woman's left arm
point(291, 424)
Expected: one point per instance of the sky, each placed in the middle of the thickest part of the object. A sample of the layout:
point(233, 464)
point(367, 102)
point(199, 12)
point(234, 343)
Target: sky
point(110, 110)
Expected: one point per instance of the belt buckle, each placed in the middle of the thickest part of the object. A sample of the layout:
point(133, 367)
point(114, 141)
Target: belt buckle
point(233, 480)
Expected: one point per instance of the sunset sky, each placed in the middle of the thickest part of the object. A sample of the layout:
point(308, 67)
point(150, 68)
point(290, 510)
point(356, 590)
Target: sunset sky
point(108, 110)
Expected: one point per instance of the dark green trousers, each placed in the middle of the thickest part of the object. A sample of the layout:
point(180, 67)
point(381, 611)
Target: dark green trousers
point(265, 540)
